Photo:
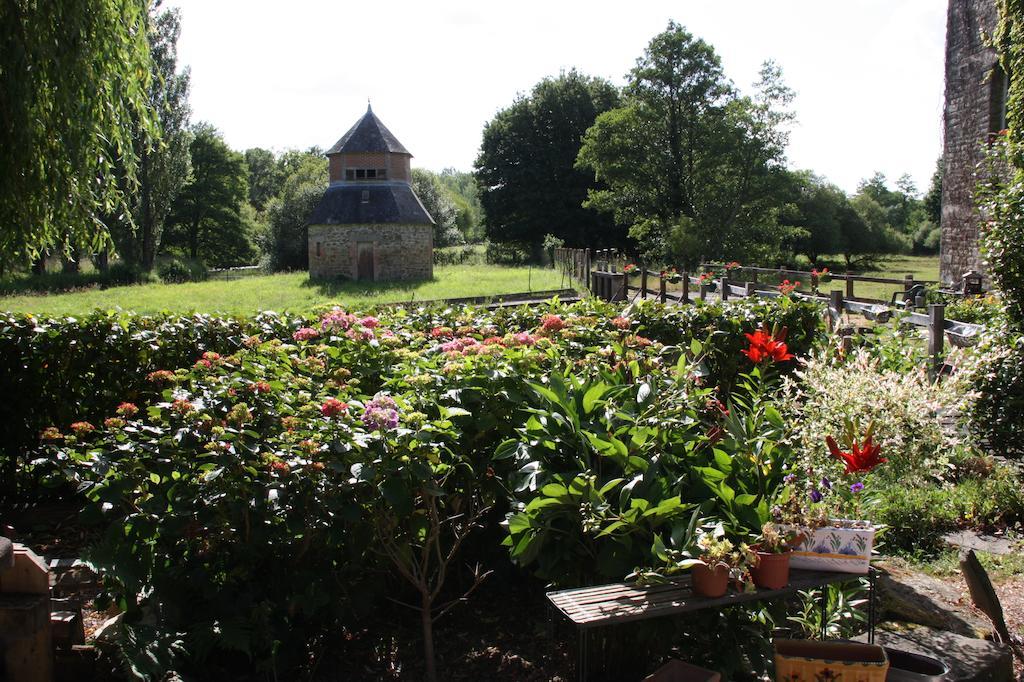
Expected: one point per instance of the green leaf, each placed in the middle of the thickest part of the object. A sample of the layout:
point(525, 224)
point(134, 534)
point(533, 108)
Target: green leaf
point(592, 396)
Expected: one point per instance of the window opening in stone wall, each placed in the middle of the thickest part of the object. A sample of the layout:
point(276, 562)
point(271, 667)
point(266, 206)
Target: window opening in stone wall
point(999, 88)
point(360, 173)
point(350, 174)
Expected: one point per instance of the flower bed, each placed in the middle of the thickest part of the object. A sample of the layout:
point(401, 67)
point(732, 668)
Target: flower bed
point(279, 476)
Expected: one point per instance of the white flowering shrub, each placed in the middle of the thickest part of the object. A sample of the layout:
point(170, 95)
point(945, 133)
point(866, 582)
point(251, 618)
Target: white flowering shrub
point(903, 405)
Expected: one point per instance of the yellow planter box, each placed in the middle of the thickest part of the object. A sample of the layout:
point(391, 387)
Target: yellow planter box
point(809, 661)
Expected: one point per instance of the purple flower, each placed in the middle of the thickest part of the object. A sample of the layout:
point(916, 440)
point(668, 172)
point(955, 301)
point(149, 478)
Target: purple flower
point(825, 483)
point(856, 488)
point(789, 478)
point(381, 413)
point(815, 495)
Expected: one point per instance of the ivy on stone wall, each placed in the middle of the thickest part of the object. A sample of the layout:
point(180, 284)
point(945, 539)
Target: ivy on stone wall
point(1003, 202)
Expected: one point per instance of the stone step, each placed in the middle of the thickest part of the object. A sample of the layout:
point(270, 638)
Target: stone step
point(968, 659)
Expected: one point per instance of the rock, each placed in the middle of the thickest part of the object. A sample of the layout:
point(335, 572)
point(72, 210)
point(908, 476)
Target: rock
point(6, 554)
point(968, 659)
point(914, 597)
point(110, 631)
point(991, 544)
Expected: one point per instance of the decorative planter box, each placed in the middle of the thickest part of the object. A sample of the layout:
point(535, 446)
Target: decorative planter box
point(807, 661)
point(844, 547)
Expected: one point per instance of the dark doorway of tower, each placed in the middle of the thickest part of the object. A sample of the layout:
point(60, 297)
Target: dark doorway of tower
point(364, 254)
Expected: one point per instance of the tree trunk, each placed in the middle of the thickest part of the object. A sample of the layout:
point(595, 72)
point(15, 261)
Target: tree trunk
point(428, 638)
point(193, 240)
point(39, 265)
point(70, 265)
point(147, 227)
point(102, 260)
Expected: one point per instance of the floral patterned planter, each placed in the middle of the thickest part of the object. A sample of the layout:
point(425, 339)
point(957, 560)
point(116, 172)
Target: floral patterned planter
point(844, 547)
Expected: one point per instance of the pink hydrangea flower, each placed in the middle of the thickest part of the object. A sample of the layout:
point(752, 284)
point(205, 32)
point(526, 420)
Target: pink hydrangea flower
point(305, 334)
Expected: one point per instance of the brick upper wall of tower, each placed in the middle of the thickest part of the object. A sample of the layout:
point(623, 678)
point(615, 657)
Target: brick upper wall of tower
point(398, 166)
point(969, 116)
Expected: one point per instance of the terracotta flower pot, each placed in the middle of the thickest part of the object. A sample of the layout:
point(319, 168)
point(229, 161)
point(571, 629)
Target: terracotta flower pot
point(710, 581)
point(772, 570)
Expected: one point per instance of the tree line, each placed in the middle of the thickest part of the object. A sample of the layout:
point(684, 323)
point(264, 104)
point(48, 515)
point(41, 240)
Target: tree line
point(95, 171)
point(680, 166)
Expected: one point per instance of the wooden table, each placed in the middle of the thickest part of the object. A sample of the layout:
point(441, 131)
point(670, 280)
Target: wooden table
point(587, 608)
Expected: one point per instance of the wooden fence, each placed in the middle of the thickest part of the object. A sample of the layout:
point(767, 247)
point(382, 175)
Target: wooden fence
point(610, 282)
point(849, 278)
point(236, 273)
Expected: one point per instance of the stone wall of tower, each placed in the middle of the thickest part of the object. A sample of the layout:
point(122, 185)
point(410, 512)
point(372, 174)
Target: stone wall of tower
point(400, 252)
point(968, 119)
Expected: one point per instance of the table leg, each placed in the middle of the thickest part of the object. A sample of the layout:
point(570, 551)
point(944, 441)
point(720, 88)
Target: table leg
point(871, 606)
point(824, 612)
point(581, 660)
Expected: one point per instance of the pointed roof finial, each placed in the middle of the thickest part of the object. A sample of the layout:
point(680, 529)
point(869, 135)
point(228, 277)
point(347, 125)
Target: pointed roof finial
point(368, 108)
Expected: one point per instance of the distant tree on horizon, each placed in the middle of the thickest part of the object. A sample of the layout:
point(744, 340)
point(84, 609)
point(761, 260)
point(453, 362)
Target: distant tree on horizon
point(695, 169)
point(528, 182)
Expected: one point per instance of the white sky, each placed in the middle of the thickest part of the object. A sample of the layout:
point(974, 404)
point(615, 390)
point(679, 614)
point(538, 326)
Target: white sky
point(868, 74)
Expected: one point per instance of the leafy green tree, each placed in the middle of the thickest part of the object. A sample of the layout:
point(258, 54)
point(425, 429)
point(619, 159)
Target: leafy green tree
point(864, 229)
point(75, 77)
point(164, 169)
point(933, 199)
point(819, 210)
point(436, 199)
point(528, 183)
point(462, 189)
point(206, 218)
point(265, 176)
point(686, 153)
point(286, 242)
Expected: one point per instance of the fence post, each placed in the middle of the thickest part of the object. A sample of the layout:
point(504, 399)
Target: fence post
point(586, 266)
point(662, 293)
point(685, 295)
point(643, 281)
point(723, 285)
point(750, 290)
point(908, 281)
point(835, 309)
point(936, 335)
point(849, 285)
point(703, 293)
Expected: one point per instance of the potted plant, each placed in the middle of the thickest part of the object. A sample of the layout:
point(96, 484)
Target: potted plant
point(718, 561)
point(773, 548)
point(831, 542)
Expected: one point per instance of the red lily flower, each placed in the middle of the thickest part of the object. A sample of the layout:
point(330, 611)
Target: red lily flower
point(764, 347)
point(862, 457)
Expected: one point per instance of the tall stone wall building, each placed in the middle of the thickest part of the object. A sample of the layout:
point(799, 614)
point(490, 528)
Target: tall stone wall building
point(975, 108)
point(370, 225)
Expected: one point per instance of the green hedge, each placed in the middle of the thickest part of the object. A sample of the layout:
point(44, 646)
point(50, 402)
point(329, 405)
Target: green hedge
point(60, 370)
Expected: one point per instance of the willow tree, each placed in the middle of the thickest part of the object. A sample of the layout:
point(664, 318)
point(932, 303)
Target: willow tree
point(75, 75)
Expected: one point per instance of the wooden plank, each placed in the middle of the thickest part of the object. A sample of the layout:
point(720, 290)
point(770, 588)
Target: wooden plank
point(625, 602)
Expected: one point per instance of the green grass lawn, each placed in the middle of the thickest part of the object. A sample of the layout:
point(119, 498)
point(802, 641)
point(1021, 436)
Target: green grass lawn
point(293, 292)
point(925, 268)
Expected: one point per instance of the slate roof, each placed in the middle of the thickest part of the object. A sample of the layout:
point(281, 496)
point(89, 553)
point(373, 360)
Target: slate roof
point(387, 202)
point(368, 135)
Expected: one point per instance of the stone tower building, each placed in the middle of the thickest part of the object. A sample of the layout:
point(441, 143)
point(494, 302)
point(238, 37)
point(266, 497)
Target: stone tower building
point(370, 225)
point(975, 107)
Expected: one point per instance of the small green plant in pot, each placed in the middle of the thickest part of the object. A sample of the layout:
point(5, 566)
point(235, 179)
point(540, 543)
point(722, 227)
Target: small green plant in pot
point(773, 547)
point(718, 561)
